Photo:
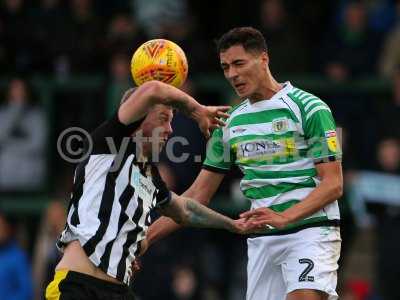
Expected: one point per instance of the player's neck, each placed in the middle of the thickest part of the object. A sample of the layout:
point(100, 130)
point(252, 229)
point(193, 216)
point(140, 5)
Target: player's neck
point(267, 90)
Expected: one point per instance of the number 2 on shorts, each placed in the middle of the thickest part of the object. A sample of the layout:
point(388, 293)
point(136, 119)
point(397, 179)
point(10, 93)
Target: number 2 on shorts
point(310, 265)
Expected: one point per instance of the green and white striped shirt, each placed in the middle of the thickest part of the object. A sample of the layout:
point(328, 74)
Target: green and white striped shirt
point(276, 144)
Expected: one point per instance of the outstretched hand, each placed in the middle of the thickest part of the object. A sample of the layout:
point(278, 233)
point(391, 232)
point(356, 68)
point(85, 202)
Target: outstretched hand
point(208, 118)
point(264, 218)
point(242, 226)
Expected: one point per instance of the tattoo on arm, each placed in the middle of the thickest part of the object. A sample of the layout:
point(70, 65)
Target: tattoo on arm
point(185, 107)
point(200, 216)
point(188, 212)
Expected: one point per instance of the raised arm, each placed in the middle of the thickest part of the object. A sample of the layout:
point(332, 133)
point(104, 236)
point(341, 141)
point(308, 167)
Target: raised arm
point(202, 190)
point(156, 92)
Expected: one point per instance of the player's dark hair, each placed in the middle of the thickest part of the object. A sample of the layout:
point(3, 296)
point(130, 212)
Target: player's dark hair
point(250, 38)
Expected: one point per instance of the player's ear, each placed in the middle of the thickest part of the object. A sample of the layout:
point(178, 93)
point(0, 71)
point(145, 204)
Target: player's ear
point(265, 57)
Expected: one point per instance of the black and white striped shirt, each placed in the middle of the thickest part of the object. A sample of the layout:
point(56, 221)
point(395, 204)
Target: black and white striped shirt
point(110, 206)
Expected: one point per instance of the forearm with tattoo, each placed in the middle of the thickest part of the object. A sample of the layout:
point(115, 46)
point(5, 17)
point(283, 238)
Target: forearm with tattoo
point(184, 107)
point(188, 212)
point(197, 215)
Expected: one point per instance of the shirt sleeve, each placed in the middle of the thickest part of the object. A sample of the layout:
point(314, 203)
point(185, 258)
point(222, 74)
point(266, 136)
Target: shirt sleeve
point(218, 157)
point(163, 194)
point(111, 129)
point(321, 134)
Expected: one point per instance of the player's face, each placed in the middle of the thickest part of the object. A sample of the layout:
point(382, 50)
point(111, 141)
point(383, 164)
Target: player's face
point(157, 127)
point(245, 71)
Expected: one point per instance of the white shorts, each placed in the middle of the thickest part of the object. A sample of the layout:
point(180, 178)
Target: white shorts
point(280, 264)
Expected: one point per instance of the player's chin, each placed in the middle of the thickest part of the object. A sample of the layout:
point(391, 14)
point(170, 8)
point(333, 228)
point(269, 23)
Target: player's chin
point(243, 96)
point(242, 93)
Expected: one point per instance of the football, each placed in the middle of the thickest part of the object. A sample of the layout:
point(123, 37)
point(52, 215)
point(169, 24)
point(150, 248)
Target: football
point(159, 59)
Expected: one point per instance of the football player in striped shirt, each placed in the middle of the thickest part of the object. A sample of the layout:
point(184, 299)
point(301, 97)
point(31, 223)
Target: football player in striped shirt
point(117, 186)
point(284, 141)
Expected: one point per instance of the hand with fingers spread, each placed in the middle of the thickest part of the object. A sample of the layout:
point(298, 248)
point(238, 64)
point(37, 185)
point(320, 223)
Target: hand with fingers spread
point(263, 217)
point(208, 117)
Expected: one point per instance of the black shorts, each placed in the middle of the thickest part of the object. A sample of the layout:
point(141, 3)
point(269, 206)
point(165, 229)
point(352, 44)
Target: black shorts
point(69, 285)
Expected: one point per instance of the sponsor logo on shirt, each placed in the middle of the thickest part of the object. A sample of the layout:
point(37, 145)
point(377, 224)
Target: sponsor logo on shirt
point(143, 186)
point(260, 147)
point(239, 130)
point(330, 133)
point(331, 140)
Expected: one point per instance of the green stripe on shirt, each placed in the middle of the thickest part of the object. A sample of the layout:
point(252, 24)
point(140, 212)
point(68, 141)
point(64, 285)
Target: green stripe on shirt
point(257, 174)
point(273, 190)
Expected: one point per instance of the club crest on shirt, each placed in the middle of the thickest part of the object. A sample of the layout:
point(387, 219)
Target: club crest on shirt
point(280, 125)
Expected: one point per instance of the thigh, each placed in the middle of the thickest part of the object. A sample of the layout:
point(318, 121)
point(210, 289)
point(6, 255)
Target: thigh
point(307, 295)
point(311, 263)
point(264, 277)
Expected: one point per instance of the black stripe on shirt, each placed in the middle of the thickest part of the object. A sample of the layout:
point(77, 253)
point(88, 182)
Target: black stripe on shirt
point(126, 195)
point(325, 159)
point(130, 239)
point(78, 191)
point(107, 201)
point(215, 169)
point(334, 223)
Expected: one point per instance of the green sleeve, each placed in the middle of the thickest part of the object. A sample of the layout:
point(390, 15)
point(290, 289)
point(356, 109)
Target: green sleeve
point(322, 138)
point(218, 157)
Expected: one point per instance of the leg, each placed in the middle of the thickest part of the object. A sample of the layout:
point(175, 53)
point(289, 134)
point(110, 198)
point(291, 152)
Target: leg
point(307, 295)
point(264, 278)
point(310, 268)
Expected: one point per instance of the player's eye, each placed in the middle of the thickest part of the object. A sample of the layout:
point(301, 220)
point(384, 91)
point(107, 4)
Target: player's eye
point(163, 119)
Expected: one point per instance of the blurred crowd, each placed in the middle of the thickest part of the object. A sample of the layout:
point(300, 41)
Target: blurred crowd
point(66, 63)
